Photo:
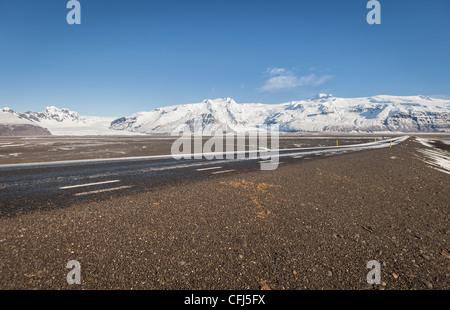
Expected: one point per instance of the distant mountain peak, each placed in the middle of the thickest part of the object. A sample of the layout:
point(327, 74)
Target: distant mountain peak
point(322, 97)
point(53, 113)
point(7, 109)
point(220, 100)
point(425, 97)
point(16, 124)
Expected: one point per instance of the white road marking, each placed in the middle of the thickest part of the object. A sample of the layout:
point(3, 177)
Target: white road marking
point(210, 168)
point(269, 161)
point(8, 145)
point(102, 190)
point(89, 184)
point(223, 171)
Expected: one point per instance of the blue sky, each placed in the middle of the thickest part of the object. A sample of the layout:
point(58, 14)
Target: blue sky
point(131, 55)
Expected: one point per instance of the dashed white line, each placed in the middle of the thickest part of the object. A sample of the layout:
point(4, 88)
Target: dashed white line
point(210, 168)
point(269, 161)
point(89, 184)
point(102, 190)
point(223, 171)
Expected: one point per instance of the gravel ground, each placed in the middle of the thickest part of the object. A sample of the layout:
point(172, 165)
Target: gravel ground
point(311, 224)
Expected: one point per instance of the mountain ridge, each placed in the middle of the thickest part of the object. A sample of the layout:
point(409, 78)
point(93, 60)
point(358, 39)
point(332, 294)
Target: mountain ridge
point(322, 113)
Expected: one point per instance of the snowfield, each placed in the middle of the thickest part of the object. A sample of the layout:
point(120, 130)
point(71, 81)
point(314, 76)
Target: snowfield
point(89, 125)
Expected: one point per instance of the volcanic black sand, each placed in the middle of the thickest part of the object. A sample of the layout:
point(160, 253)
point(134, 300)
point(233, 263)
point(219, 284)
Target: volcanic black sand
point(310, 224)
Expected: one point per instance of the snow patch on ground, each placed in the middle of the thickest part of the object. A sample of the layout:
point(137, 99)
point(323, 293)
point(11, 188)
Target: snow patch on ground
point(436, 158)
point(424, 142)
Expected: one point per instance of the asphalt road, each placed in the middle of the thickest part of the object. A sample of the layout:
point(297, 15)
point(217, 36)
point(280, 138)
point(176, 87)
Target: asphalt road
point(27, 187)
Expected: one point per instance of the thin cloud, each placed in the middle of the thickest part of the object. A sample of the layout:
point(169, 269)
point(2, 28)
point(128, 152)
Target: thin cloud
point(444, 97)
point(283, 79)
point(276, 71)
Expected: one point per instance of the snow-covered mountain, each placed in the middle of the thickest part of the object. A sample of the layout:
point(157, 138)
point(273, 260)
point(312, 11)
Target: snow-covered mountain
point(16, 124)
point(323, 113)
point(207, 115)
point(8, 117)
point(64, 122)
point(53, 113)
point(61, 122)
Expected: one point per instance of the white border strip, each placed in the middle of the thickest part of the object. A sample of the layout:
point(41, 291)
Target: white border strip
point(102, 190)
point(89, 184)
point(209, 168)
